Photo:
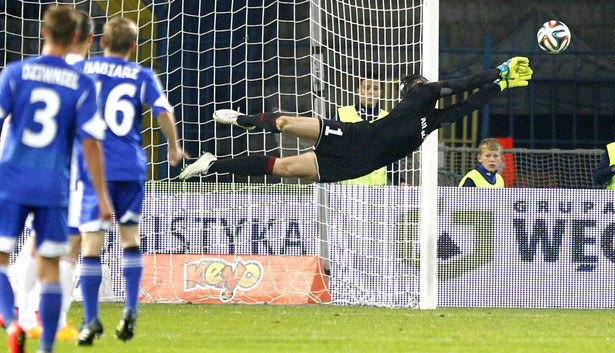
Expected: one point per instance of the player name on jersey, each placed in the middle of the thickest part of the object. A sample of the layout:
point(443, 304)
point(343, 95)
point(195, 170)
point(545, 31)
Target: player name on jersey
point(111, 70)
point(52, 75)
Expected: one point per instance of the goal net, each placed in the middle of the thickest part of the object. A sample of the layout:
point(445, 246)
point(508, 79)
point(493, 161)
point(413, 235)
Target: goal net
point(208, 239)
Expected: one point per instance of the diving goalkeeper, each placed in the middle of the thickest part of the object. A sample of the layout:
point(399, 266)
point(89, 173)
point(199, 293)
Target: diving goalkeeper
point(349, 150)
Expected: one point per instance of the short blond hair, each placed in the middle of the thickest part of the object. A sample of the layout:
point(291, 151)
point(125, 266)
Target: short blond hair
point(119, 34)
point(490, 144)
point(61, 23)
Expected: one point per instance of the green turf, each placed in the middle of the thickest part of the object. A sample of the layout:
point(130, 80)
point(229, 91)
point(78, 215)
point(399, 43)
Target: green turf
point(278, 329)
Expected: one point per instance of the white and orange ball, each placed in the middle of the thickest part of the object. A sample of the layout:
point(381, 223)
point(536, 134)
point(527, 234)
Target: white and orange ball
point(553, 37)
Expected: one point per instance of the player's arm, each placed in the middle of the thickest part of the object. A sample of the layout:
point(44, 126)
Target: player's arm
point(6, 90)
point(475, 101)
point(166, 120)
point(604, 172)
point(92, 152)
point(514, 72)
point(163, 111)
point(4, 128)
point(450, 87)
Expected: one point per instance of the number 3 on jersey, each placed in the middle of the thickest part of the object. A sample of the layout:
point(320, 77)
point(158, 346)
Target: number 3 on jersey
point(117, 103)
point(44, 116)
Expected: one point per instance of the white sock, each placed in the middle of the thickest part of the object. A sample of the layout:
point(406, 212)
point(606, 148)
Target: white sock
point(28, 291)
point(67, 281)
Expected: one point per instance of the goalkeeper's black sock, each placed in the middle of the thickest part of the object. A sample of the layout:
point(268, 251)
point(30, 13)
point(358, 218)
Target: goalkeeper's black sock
point(265, 121)
point(251, 165)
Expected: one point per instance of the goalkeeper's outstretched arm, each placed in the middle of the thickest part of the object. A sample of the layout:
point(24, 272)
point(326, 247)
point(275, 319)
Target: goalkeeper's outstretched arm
point(460, 85)
point(473, 102)
point(514, 72)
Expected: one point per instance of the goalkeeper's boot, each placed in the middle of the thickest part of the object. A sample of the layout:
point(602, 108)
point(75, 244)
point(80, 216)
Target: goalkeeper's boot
point(17, 338)
point(229, 116)
point(126, 328)
point(90, 331)
point(201, 166)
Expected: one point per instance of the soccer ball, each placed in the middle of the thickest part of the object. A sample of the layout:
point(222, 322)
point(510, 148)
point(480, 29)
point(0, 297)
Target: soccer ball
point(553, 37)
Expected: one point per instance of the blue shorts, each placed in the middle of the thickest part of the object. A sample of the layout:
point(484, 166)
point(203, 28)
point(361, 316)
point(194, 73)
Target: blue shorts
point(127, 198)
point(50, 225)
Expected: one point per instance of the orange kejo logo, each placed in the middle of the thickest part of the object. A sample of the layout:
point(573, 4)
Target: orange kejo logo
point(221, 275)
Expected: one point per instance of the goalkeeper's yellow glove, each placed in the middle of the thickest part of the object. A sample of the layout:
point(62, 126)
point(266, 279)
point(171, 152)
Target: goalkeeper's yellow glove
point(514, 72)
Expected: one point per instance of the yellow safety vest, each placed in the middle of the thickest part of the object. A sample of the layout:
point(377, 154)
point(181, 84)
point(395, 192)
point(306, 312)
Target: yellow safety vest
point(349, 114)
point(480, 181)
point(610, 150)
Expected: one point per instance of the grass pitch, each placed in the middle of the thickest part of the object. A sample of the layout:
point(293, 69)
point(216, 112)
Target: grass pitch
point(264, 328)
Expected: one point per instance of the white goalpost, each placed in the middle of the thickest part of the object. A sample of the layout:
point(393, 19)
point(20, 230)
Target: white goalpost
point(429, 166)
point(224, 238)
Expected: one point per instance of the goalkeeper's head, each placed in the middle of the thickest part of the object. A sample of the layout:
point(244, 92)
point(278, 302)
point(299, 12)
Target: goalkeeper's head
point(408, 83)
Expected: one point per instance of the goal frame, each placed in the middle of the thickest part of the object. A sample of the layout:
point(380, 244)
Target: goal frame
point(428, 298)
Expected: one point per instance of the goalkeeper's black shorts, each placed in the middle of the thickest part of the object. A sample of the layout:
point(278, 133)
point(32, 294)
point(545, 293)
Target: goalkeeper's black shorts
point(346, 150)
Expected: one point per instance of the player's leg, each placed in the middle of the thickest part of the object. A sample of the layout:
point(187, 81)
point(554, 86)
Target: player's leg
point(7, 299)
point(26, 287)
point(307, 129)
point(90, 280)
point(128, 201)
point(50, 303)
point(28, 290)
point(67, 281)
point(67, 271)
point(303, 127)
point(12, 220)
point(69, 261)
point(132, 270)
point(92, 239)
point(301, 166)
point(50, 225)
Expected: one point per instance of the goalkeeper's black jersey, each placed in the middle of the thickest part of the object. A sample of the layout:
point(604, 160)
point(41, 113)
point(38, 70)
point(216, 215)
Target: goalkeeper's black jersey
point(350, 150)
point(404, 129)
